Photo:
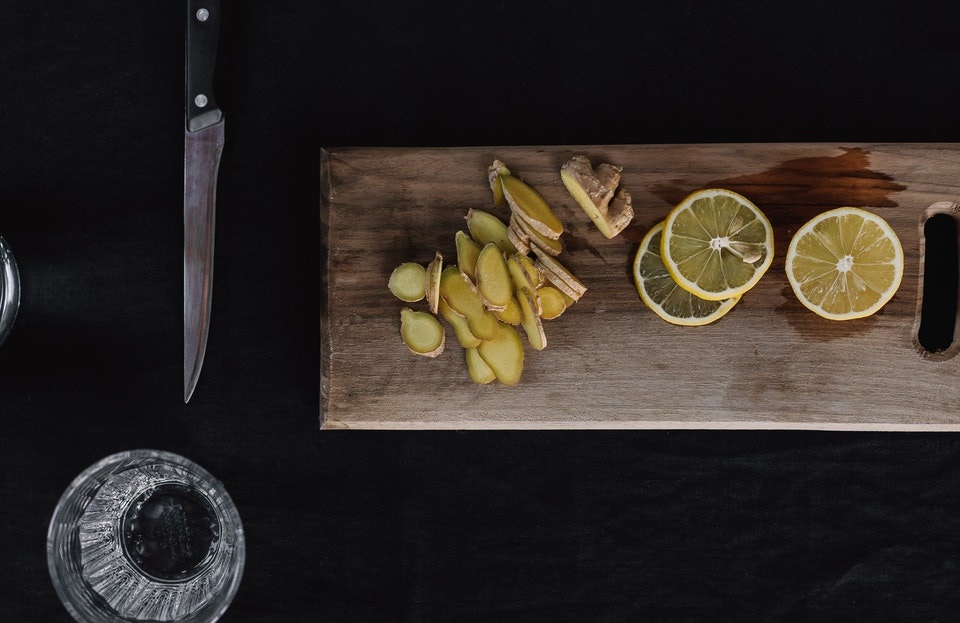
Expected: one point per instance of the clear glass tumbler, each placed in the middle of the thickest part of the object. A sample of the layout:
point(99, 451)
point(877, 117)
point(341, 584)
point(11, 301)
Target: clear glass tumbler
point(9, 289)
point(145, 535)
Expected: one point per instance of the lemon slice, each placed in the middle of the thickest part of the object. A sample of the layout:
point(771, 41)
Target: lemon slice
point(845, 263)
point(716, 244)
point(661, 293)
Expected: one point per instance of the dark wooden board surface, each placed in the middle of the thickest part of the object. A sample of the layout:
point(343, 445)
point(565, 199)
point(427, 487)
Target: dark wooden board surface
point(610, 362)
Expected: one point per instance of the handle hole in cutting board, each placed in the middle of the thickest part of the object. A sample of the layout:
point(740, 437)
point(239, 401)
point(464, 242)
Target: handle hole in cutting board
point(936, 334)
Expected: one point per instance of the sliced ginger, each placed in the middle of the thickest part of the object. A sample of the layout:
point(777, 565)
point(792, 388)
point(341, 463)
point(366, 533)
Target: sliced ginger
point(459, 293)
point(408, 282)
point(552, 302)
point(479, 371)
point(536, 239)
point(432, 284)
point(492, 278)
point(495, 285)
point(529, 205)
point(467, 252)
point(485, 228)
point(493, 175)
point(461, 327)
point(421, 332)
point(557, 274)
point(512, 314)
point(504, 354)
point(596, 191)
point(531, 319)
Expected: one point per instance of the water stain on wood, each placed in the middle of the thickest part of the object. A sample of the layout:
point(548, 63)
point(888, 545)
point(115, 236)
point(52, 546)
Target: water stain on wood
point(799, 188)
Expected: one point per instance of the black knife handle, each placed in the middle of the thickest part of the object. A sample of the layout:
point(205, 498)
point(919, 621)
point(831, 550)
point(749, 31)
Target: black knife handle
point(203, 36)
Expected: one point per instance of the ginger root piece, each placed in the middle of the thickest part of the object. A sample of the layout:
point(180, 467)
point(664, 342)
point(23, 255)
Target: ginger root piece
point(479, 371)
point(485, 228)
point(432, 282)
point(531, 320)
point(596, 193)
point(457, 290)
point(494, 171)
point(504, 354)
point(552, 302)
point(421, 332)
point(492, 278)
point(408, 282)
point(527, 204)
point(461, 327)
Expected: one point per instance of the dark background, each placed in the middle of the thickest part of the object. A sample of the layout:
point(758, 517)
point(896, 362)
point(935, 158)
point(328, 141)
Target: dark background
point(437, 526)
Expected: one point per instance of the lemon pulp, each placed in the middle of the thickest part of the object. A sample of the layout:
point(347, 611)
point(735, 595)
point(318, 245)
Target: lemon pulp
point(716, 244)
point(659, 291)
point(845, 263)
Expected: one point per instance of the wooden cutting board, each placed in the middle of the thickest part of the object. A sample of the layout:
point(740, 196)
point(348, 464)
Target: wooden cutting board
point(609, 361)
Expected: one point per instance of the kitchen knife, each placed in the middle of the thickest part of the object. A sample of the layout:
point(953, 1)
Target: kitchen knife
point(203, 145)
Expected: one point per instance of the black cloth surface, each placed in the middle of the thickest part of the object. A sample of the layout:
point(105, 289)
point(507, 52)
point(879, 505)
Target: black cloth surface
point(437, 526)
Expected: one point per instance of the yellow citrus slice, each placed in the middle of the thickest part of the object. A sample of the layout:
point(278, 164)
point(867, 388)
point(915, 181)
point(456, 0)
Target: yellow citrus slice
point(845, 263)
point(661, 293)
point(716, 244)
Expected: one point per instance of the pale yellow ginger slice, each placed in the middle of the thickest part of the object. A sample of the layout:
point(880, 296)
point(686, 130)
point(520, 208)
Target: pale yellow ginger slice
point(596, 193)
point(467, 252)
point(462, 296)
point(504, 354)
point(461, 327)
point(512, 314)
point(485, 228)
point(494, 171)
point(479, 371)
point(552, 302)
point(421, 332)
point(432, 282)
point(551, 246)
point(493, 279)
point(408, 282)
point(531, 320)
point(528, 204)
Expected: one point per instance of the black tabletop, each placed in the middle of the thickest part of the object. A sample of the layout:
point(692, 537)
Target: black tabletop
point(437, 526)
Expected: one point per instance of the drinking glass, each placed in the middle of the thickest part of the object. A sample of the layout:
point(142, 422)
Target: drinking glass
point(145, 535)
point(9, 289)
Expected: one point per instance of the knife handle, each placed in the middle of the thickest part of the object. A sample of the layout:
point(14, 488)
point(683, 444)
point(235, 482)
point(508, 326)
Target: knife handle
point(203, 35)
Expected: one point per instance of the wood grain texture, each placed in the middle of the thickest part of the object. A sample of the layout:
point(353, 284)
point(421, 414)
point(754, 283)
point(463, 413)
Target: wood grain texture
point(610, 362)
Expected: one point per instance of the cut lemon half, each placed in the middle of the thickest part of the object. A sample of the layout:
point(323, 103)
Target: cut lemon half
point(716, 244)
point(845, 263)
point(660, 292)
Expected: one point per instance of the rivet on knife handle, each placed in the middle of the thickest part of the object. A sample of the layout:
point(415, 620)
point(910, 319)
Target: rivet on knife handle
point(203, 34)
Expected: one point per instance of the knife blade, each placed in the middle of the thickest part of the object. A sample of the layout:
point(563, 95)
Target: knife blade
point(203, 146)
